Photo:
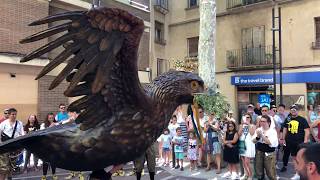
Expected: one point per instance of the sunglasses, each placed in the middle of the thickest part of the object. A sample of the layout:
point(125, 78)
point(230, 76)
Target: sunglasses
point(62, 107)
point(247, 117)
point(200, 112)
point(5, 113)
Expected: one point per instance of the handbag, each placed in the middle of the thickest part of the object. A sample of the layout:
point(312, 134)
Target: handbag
point(5, 137)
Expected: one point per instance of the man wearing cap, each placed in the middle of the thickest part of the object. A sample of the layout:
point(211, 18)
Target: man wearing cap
point(295, 131)
point(5, 115)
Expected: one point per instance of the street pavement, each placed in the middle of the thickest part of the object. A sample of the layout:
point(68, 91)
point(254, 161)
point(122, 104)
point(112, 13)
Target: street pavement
point(162, 173)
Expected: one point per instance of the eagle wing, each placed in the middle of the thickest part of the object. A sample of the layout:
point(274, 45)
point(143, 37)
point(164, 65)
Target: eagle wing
point(101, 48)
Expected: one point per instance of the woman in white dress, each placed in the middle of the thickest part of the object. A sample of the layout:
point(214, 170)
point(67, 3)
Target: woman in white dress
point(246, 146)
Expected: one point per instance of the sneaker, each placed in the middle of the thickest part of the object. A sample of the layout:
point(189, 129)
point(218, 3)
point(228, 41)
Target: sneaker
point(283, 169)
point(44, 178)
point(277, 167)
point(81, 176)
point(295, 177)
point(244, 177)
point(234, 176)
point(54, 177)
point(181, 169)
point(131, 173)
point(177, 167)
point(121, 173)
point(71, 175)
point(115, 174)
point(226, 175)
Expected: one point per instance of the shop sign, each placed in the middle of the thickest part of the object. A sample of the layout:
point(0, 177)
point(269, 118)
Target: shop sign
point(267, 79)
point(252, 79)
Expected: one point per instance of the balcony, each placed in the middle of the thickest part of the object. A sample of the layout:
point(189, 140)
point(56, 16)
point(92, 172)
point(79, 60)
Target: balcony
point(161, 6)
point(238, 3)
point(160, 41)
point(316, 45)
point(248, 58)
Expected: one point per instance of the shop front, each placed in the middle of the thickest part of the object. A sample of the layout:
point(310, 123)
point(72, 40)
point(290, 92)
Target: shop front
point(258, 88)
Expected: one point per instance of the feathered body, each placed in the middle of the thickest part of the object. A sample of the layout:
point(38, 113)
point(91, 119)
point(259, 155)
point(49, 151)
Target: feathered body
point(119, 118)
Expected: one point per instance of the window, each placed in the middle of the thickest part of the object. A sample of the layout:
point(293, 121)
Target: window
point(253, 45)
point(159, 33)
point(317, 29)
point(313, 94)
point(161, 66)
point(162, 3)
point(192, 3)
point(193, 46)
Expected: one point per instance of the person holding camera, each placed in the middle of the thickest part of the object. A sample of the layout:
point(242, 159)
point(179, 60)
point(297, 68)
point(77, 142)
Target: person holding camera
point(9, 129)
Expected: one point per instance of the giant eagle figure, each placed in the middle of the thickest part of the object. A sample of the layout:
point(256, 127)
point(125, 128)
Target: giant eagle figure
point(119, 117)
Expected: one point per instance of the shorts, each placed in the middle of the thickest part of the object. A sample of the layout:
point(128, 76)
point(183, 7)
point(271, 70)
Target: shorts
point(293, 148)
point(179, 155)
point(5, 163)
point(166, 149)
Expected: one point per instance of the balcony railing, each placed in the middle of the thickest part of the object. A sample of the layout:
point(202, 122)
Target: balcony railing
point(162, 6)
point(238, 3)
point(316, 45)
point(249, 57)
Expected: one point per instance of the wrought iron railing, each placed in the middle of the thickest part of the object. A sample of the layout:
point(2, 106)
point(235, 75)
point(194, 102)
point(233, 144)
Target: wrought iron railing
point(162, 4)
point(316, 45)
point(248, 57)
point(238, 3)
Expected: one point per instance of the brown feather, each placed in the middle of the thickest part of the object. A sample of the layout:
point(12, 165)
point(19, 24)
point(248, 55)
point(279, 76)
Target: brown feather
point(46, 33)
point(73, 62)
point(48, 47)
point(79, 90)
point(59, 59)
point(58, 17)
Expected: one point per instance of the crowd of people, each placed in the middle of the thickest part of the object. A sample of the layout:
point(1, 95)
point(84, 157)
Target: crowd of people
point(251, 147)
point(11, 128)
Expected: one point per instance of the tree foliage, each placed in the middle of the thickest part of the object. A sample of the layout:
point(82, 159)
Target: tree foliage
point(213, 103)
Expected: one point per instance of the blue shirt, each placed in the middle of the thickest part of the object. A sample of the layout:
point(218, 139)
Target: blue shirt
point(178, 140)
point(61, 116)
point(166, 139)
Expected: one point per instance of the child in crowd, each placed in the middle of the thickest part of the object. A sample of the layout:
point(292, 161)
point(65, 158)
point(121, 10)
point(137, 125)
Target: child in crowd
point(192, 151)
point(166, 144)
point(178, 141)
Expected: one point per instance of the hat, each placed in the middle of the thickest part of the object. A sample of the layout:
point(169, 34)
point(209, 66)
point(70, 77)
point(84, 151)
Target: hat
point(6, 110)
point(250, 105)
point(273, 106)
point(230, 112)
point(294, 106)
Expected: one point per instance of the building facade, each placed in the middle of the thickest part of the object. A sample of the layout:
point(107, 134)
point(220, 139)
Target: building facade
point(244, 47)
point(18, 88)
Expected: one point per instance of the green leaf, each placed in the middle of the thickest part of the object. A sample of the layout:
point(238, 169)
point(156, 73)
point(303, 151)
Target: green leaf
point(215, 103)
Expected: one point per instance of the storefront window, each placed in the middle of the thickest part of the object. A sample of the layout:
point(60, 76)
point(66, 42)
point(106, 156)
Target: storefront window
point(313, 94)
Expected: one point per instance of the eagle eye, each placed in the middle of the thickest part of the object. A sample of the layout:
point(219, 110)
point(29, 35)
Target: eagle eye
point(194, 85)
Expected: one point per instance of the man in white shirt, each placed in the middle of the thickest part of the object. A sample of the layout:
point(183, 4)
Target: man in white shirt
point(9, 128)
point(266, 141)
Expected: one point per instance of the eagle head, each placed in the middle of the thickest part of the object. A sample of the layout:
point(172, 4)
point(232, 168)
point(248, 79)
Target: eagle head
point(177, 87)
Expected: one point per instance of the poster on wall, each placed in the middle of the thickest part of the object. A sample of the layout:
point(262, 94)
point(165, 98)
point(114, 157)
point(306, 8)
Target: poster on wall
point(264, 99)
point(313, 98)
